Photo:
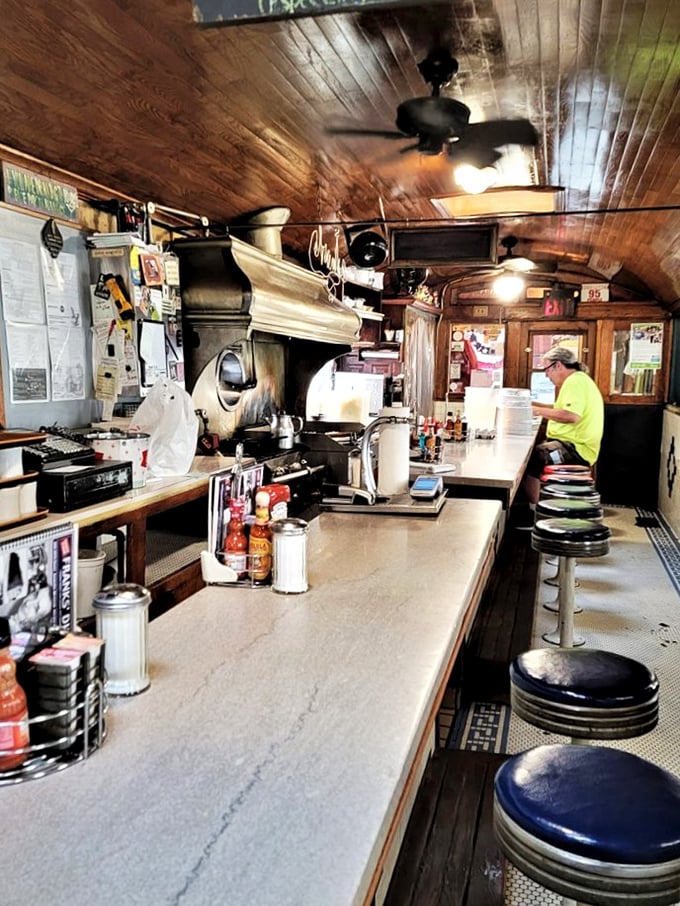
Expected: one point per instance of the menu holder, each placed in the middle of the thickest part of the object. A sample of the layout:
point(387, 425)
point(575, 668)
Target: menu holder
point(38, 580)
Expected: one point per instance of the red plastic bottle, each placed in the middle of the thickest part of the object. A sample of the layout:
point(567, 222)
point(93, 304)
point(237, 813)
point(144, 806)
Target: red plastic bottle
point(236, 543)
point(14, 734)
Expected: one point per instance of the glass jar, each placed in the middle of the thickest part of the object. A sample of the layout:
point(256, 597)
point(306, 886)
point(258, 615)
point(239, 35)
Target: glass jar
point(123, 622)
point(289, 569)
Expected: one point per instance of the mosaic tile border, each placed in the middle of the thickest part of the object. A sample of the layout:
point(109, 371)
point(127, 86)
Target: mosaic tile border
point(665, 544)
point(481, 727)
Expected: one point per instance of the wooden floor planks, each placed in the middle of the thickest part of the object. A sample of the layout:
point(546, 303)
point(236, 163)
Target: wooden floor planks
point(449, 855)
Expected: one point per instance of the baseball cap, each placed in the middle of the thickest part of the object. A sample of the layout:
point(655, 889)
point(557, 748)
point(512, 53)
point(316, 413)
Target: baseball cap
point(560, 354)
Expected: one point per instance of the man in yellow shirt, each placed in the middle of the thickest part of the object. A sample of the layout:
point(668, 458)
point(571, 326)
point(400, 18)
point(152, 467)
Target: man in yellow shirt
point(575, 420)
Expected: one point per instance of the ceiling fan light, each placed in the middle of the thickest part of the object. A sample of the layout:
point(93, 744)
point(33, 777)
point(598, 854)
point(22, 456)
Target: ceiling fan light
point(474, 180)
point(508, 287)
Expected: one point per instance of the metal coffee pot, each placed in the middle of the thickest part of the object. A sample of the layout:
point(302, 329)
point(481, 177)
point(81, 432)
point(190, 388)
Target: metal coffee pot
point(286, 428)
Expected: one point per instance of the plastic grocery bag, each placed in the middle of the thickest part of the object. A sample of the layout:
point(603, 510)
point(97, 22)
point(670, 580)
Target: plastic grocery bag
point(167, 415)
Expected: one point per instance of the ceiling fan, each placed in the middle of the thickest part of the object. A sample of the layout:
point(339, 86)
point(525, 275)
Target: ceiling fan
point(442, 125)
point(510, 263)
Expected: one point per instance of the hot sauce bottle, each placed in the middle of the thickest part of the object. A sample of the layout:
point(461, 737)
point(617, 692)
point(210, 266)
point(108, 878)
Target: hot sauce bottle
point(14, 732)
point(260, 542)
point(236, 543)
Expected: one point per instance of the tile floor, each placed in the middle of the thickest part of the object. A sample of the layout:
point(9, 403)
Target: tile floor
point(631, 605)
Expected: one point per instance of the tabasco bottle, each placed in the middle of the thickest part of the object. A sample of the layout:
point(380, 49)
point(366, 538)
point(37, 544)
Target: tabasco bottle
point(13, 709)
point(236, 543)
point(260, 542)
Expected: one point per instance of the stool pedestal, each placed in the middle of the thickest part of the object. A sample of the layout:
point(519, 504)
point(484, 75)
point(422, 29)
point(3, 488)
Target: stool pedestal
point(563, 634)
point(568, 538)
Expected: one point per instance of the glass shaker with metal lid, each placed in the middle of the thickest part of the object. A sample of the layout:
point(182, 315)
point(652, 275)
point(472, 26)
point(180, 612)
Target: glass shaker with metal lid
point(123, 622)
point(289, 566)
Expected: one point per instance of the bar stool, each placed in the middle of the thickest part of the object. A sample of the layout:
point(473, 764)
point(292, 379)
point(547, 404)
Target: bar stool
point(568, 469)
point(568, 480)
point(567, 508)
point(591, 823)
point(584, 693)
point(569, 539)
point(582, 492)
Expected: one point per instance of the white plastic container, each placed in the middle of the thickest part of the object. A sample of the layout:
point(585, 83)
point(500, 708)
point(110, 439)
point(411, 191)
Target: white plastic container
point(90, 575)
point(130, 447)
point(480, 407)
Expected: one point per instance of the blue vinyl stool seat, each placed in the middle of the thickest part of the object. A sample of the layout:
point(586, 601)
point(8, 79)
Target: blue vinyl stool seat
point(584, 693)
point(591, 823)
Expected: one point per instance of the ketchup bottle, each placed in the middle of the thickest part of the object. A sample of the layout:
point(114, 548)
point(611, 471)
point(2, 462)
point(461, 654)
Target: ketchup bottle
point(13, 708)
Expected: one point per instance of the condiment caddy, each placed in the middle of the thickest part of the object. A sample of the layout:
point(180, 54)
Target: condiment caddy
point(260, 549)
point(62, 723)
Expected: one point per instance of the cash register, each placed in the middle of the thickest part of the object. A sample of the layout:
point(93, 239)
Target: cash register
point(69, 474)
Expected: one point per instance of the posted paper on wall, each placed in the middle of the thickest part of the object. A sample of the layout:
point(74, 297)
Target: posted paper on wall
point(28, 361)
point(20, 282)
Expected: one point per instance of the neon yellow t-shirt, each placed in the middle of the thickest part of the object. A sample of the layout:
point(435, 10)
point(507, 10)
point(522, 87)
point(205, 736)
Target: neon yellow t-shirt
point(580, 394)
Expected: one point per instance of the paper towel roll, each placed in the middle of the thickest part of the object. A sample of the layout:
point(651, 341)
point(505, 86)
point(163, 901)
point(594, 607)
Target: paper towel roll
point(393, 449)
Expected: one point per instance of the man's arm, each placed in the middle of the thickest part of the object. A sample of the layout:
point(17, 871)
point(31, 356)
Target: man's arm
point(545, 410)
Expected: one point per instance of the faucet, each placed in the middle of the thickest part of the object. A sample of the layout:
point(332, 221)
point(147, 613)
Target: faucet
point(369, 480)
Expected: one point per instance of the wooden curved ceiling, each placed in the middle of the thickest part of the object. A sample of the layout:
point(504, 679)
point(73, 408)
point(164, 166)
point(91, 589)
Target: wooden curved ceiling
point(222, 121)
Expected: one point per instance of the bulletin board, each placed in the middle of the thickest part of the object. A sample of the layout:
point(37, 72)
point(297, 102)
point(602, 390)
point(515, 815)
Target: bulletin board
point(45, 322)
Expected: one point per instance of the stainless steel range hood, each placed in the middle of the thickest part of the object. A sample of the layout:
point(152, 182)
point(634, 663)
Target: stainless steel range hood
point(226, 281)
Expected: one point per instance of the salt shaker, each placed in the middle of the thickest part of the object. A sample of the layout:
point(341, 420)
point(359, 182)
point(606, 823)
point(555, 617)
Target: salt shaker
point(123, 622)
point(289, 567)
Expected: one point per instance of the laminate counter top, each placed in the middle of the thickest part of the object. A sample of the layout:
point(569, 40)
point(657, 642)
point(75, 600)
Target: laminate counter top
point(496, 464)
point(268, 760)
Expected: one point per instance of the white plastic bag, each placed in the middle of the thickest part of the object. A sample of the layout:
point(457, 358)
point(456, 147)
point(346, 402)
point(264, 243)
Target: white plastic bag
point(167, 414)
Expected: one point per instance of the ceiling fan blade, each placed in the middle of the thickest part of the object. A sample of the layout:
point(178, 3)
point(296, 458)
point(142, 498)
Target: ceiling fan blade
point(494, 133)
point(358, 130)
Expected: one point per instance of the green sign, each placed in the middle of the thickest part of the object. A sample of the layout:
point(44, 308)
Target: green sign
point(26, 189)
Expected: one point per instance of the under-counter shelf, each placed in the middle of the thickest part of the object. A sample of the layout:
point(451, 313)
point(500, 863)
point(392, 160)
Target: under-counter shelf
point(16, 438)
point(26, 519)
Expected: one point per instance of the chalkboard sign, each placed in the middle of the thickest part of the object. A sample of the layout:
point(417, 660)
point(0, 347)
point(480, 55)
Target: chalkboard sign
point(234, 12)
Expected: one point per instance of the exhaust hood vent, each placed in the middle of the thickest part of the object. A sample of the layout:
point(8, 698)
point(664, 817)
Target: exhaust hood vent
point(228, 282)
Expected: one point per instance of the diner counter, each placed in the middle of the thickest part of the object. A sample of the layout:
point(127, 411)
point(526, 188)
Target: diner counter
point(268, 762)
point(490, 465)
